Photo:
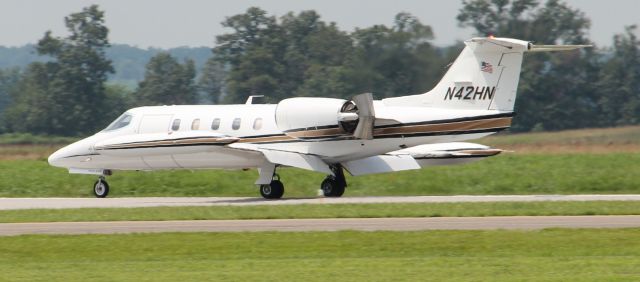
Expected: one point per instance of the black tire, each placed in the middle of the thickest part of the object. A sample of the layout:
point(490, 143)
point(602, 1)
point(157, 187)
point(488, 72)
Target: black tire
point(274, 190)
point(332, 188)
point(101, 189)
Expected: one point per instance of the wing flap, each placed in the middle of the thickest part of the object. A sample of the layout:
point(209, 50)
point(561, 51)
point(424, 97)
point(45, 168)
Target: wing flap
point(287, 158)
point(308, 162)
point(380, 164)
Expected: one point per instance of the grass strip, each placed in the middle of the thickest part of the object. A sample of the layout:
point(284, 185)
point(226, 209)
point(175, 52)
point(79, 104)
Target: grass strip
point(500, 175)
point(498, 255)
point(325, 211)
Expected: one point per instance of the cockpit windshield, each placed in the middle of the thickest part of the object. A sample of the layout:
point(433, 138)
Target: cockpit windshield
point(120, 122)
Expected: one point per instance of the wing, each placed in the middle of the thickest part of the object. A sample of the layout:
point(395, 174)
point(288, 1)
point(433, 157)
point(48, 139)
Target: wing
point(420, 157)
point(407, 159)
point(288, 158)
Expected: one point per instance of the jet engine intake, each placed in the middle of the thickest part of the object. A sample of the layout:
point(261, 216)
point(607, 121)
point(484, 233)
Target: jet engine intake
point(318, 118)
point(306, 117)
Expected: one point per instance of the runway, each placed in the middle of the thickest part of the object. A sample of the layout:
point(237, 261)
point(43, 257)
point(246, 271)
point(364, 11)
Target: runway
point(301, 225)
point(67, 203)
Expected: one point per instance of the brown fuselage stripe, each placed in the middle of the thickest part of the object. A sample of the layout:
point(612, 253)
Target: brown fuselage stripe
point(220, 141)
point(500, 122)
point(266, 139)
point(316, 133)
point(444, 127)
point(458, 126)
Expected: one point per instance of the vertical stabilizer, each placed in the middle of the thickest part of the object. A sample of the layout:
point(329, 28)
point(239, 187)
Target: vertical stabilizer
point(483, 77)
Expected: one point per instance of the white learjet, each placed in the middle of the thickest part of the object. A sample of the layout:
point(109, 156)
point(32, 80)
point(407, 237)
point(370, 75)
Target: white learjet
point(475, 98)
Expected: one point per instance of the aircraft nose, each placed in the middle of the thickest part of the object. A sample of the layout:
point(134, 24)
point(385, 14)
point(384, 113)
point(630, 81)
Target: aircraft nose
point(55, 159)
point(69, 156)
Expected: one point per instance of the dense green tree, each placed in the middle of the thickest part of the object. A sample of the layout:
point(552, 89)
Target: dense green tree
point(8, 80)
point(398, 60)
point(66, 95)
point(211, 82)
point(33, 109)
point(314, 48)
point(119, 98)
point(620, 81)
point(301, 55)
point(254, 52)
point(167, 82)
point(555, 90)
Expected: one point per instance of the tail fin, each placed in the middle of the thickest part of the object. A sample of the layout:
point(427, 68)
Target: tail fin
point(483, 77)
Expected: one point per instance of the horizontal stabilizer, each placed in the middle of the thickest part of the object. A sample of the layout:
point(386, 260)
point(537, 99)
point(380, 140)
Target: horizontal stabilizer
point(552, 48)
point(447, 153)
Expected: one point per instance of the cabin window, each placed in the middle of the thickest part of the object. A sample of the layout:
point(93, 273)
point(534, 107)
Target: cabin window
point(257, 124)
point(176, 125)
point(215, 124)
point(236, 124)
point(120, 122)
point(195, 125)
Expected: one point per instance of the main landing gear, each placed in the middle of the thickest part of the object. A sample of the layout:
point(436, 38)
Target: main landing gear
point(332, 186)
point(273, 190)
point(101, 187)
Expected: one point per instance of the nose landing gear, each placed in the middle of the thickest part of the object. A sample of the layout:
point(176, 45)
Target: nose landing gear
point(101, 187)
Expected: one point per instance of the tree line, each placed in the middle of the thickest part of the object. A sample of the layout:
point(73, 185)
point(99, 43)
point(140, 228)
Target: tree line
point(128, 61)
point(302, 55)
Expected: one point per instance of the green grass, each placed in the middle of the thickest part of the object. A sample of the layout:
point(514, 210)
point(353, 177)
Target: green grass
point(26, 138)
point(504, 174)
point(593, 136)
point(325, 211)
point(546, 255)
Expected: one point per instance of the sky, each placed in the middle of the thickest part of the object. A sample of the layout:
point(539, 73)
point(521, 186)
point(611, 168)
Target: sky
point(167, 24)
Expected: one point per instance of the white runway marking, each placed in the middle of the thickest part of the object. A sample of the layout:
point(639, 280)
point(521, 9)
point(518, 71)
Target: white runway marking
point(305, 225)
point(67, 203)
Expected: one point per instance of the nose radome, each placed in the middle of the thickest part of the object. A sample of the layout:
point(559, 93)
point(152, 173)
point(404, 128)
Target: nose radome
point(68, 156)
point(55, 158)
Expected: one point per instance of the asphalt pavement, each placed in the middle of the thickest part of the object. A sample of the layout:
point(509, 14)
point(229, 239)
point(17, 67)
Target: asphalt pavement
point(66, 203)
point(334, 224)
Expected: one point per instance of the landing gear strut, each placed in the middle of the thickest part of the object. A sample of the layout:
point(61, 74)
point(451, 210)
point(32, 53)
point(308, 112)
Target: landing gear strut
point(333, 186)
point(273, 190)
point(101, 187)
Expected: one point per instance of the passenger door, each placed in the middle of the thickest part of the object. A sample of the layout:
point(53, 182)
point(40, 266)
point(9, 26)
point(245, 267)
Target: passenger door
point(154, 124)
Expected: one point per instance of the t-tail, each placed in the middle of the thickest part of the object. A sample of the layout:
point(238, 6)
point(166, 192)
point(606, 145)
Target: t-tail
point(483, 77)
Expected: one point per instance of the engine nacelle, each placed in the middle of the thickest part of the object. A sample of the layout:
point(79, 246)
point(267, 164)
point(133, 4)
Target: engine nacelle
point(307, 117)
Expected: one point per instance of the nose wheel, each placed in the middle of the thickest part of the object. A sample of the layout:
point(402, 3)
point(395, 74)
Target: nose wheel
point(101, 188)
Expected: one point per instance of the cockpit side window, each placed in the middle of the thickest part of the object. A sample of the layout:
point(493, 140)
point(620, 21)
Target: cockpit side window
point(122, 121)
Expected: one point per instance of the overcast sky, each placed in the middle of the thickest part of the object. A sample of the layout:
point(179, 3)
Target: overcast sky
point(165, 24)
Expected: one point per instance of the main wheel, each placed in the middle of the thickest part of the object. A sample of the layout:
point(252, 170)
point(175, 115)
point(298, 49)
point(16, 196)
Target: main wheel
point(101, 188)
point(274, 190)
point(332, 187)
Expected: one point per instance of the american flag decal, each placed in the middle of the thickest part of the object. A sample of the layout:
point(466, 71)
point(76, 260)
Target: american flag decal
point(486, 67)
